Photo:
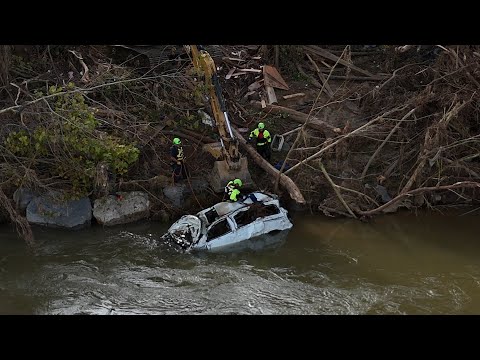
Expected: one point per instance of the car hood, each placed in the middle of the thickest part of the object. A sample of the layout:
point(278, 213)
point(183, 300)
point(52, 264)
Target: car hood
point(185, 231)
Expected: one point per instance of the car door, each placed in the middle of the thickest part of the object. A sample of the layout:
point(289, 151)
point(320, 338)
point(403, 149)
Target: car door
point(220, 233)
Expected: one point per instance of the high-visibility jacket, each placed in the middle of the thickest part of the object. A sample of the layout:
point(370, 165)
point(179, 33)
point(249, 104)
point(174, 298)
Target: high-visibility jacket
point(234, 196)
point(177, 152)
point(262, 137)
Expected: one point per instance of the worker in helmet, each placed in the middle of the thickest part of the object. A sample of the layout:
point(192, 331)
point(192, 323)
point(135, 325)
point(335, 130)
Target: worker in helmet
point(233, 190)
point(263, 140)
point(177, 161)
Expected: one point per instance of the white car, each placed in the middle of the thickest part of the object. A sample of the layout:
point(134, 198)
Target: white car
point(228, 226)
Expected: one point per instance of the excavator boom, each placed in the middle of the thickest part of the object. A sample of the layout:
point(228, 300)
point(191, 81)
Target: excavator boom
point(231, 164)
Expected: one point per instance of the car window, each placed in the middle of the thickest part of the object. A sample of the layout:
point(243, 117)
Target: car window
point(253, 212)
point(219, 229)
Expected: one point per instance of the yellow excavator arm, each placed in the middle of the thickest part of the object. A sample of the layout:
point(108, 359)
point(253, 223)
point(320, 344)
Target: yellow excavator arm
point(233, 164)
point(205, 65)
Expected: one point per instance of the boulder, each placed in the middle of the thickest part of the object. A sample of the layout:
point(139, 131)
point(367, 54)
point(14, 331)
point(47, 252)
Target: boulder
point(53, 210)
point(178, 193)
point(122, 208)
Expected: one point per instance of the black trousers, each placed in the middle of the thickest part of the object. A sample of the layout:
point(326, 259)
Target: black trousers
point(179, 171)
point(264, 151)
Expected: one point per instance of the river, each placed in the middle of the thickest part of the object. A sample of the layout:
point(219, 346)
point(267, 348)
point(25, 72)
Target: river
point(404, 263)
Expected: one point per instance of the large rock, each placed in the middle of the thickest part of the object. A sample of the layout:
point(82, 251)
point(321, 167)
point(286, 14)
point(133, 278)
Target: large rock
point(123, 208)
point(178, 193)
point(23, 197)
point(54, 211)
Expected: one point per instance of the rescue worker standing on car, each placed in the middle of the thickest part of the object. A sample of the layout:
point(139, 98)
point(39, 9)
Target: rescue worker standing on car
point(177, 161)
point(263, 140)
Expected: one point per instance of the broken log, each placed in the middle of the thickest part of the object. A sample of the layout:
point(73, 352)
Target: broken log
point(291, 96)
point(314, 122)
point(199, 136)
point(285, 181)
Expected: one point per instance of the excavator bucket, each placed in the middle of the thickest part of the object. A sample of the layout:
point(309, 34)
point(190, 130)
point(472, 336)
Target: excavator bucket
point(215, 149)
point(222, 174)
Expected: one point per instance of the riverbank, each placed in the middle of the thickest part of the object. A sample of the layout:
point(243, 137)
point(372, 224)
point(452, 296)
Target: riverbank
point(382, 129)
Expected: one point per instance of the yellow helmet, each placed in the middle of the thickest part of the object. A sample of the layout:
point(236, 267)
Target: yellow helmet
point(261, 125)
point(177, 141)
point(238, 182)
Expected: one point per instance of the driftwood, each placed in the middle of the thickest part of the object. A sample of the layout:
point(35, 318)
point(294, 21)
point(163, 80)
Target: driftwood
point(199, 136)
point(328, 89)
point(365, 169)
point(293, 95)
point(314, 123)
point(428, 146)
point(85, 78)
point(312, 79)
point(285, 181)
point(458, 185)
point(335, 188)
point(327, 55)
point(343, 137)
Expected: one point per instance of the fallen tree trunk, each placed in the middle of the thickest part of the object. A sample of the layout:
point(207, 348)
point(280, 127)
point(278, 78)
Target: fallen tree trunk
point(314, 123)
point(285, 181)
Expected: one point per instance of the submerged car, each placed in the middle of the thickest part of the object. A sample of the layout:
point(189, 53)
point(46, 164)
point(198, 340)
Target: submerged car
point(254, 222)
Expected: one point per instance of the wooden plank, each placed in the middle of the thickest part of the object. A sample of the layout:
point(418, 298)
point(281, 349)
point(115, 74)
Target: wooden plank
point(271, 97)
point(293, 95)
point(327, 55)
point(273, 78)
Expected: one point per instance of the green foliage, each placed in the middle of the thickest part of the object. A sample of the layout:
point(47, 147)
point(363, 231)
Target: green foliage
point(19, 63)
point(71, 141)
point(18, 143)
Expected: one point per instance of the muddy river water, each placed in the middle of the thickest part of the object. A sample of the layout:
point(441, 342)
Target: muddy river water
point(424, 263)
